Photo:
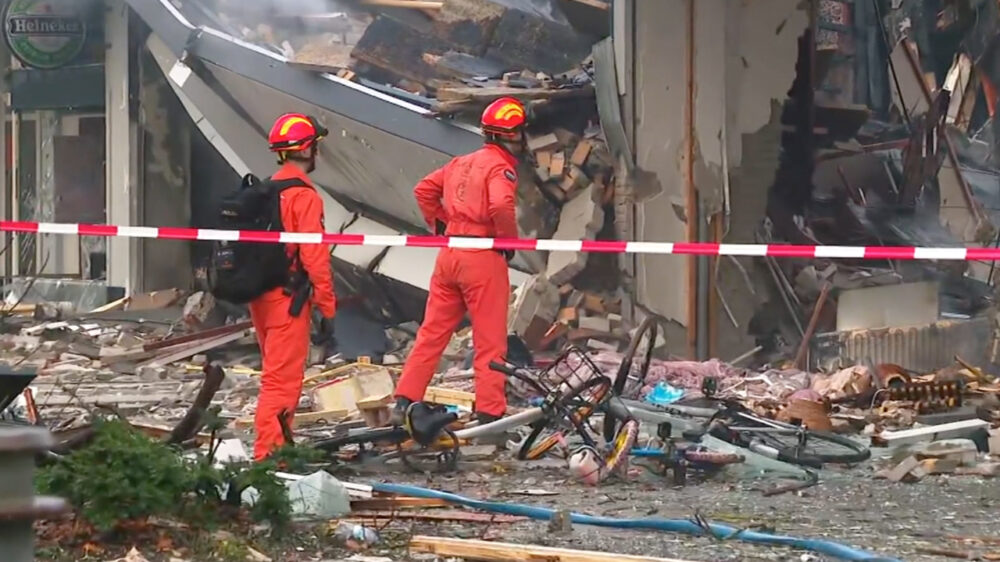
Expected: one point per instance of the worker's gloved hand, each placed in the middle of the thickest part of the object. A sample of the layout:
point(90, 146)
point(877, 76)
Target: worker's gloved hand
point(324, 331)
point(507, 255)
point(440, 227)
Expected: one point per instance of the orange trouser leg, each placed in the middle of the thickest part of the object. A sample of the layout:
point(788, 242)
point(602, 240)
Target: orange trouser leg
point(284, 346)
point(485, 285)
point(444, 311)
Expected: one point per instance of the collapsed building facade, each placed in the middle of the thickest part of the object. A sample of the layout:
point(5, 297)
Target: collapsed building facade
point(656, 120)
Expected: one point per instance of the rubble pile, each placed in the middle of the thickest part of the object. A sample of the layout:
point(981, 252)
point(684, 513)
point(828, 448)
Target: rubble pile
point(914, 169)
point(454, 59)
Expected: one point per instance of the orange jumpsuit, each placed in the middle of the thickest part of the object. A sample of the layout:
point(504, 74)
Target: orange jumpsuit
point(284, 339)
point(475, 196)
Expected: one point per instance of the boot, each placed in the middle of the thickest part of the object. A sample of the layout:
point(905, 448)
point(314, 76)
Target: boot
point(398, 417)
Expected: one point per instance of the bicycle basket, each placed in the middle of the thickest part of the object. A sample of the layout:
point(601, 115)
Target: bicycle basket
point(575, 369)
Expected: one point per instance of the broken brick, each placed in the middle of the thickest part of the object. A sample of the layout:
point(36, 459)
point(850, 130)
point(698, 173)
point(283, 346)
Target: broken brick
point(557, 165)
point(580, 153)
point(903, 469)
point(544, 142)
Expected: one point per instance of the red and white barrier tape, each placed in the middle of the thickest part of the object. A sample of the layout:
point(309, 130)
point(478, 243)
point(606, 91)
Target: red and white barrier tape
point(526, 244)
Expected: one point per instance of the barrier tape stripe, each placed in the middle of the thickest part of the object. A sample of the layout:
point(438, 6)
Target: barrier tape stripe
point(527, 244)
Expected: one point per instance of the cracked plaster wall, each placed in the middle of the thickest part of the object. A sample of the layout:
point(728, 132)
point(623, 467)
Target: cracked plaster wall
point(744, 65)
point(165, 164)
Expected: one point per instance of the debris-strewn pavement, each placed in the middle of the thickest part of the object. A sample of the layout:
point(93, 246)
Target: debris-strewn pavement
point(892, 519)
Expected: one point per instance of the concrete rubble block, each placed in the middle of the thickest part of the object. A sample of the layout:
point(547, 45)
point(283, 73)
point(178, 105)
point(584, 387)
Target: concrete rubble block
point(198, 307)
point(581, 219)
point(903, 469)
point(994, 442)
point(596, 323)
point(152, 373)
point(536, 304)
point(964, 451)
point(53, 310)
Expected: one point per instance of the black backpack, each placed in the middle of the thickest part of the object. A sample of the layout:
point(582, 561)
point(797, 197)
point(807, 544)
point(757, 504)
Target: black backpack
point(239, 272)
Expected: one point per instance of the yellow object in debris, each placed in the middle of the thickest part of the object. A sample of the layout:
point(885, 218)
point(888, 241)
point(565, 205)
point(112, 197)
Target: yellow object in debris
point(236, 370)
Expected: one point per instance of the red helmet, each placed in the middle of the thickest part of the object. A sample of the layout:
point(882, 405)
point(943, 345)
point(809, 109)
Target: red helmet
point(295, 132)
point(503, 118)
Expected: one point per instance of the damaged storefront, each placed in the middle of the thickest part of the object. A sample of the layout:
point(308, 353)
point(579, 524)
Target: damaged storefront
point(646, 393)
point(828, 123)
point(831, 123)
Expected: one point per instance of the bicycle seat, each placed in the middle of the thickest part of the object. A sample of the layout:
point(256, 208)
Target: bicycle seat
point(425, 422)
point(693, 435)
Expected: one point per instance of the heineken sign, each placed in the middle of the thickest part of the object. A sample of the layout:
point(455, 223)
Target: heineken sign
point(44, 34)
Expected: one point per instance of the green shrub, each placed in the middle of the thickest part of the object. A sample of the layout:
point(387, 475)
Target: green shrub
point(120, 475)
point(123, 475)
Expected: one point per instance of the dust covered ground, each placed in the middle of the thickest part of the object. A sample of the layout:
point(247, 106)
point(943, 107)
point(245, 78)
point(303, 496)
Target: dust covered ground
point(895, 520)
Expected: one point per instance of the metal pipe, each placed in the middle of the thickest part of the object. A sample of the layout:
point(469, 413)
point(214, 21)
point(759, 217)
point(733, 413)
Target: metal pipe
point(690, 191)
point(800, 357)
point(20, 507)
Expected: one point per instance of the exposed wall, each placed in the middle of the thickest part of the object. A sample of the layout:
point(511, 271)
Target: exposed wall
point(165, 134)
point(744, 63)
point(658, 96)
point(760, 71)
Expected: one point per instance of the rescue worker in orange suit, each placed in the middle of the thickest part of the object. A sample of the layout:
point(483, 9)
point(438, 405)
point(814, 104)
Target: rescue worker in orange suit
point(283, 337)
point(471, 196)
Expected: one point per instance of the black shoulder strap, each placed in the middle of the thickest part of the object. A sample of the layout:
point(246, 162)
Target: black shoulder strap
point(281, 185)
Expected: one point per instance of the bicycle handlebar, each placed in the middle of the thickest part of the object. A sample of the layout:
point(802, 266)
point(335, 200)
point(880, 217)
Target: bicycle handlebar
point(505, 369)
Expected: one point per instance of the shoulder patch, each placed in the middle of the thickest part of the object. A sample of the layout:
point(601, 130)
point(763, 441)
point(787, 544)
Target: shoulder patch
point(509, 174)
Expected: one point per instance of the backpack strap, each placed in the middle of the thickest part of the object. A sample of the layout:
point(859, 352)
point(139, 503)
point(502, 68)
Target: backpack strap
point(279, 186)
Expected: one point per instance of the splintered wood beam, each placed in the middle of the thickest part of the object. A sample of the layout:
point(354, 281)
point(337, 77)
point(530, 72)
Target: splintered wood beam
point(484, 550)
point(194, 420)
point(415, 4)
point(465, 93)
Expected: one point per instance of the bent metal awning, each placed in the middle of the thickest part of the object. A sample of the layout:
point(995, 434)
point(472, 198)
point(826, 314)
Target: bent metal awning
point(378, 148)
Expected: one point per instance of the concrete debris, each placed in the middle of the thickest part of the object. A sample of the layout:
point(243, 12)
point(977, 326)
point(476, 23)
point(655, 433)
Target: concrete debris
point(535, 306)
point(197, 308)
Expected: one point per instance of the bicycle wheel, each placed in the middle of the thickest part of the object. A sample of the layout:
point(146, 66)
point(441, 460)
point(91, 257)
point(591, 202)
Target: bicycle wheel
point(651, 329)
point(540, 442)
point(572, 409)
point(803, 447)
point(440, 457)
point(617, 458)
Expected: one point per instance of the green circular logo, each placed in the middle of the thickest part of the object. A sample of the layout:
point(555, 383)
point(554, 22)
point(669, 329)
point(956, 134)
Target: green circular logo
point(44, 34)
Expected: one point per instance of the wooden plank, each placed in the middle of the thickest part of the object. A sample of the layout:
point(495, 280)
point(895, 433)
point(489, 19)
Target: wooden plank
point(382, 504)
point(455, 515)
point(470, 93)
point(18, 309)
point(415, 4)
point(195, 349)
point(449, 397)
point(483, 550)
point(198, 336)
point(113, 305)
point(155, 300)
point(463, 65)
point(304, 418)
point(931, 433)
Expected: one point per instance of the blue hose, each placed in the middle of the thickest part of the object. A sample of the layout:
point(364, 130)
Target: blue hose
point(826, 548)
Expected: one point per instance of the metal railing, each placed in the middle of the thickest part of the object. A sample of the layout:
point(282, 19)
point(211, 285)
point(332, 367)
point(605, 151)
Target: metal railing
point(19, 506)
